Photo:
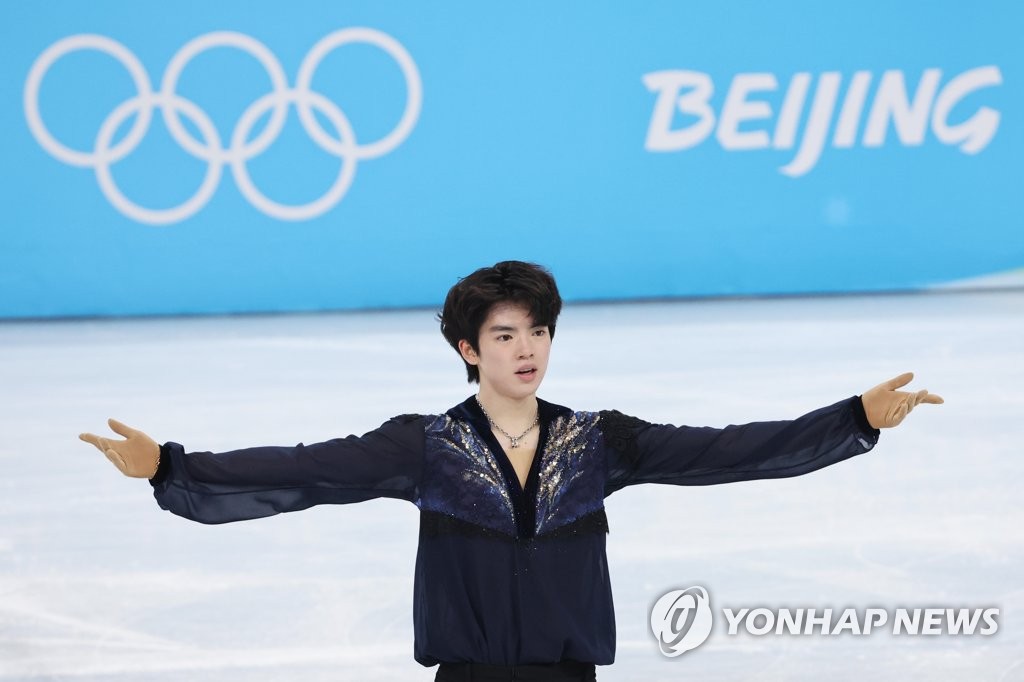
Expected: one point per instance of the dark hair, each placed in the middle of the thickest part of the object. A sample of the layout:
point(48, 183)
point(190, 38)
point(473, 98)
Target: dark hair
point(470, 301)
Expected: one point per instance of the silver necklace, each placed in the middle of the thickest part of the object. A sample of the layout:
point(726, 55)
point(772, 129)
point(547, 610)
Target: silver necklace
point(515, 439)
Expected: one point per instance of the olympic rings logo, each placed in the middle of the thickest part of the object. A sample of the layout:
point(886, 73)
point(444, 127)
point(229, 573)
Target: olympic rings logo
point(211, 148)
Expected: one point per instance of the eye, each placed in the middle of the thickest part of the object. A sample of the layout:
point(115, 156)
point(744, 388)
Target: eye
point(540, 332)
point(505, 337)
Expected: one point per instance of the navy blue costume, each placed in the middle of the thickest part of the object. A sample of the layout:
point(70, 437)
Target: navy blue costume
point(505, 574)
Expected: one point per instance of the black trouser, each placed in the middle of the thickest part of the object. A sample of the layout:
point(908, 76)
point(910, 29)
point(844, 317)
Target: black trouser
point(564, 671)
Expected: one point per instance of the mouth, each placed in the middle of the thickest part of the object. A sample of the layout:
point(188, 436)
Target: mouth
point(527, 372)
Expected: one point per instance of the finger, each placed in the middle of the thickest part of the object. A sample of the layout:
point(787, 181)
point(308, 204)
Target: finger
point(90, 438)
point(117, 460)
point(120, 428)
point(933, 399)
point(901, 380)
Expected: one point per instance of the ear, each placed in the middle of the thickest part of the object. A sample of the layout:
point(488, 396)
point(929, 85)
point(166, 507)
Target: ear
point(467, 352)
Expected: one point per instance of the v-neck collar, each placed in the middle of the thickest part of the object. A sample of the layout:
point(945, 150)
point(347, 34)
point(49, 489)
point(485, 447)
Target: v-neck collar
point(523, 497)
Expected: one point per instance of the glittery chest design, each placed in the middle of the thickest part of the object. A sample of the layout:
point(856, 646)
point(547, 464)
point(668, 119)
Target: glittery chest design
point(463, 479)
point(572, 472)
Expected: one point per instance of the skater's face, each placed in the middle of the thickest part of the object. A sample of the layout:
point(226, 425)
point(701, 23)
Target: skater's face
point(511, 354)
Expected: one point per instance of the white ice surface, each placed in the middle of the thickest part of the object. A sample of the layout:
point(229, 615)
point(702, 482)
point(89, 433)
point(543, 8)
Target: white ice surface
point(97, 583)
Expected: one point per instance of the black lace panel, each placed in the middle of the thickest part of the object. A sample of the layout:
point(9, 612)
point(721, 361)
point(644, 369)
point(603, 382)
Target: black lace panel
point(620, 432)
point(594, 522)
point(434, 524)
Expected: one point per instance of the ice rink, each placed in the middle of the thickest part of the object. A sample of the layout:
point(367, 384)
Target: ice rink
point(98, 584)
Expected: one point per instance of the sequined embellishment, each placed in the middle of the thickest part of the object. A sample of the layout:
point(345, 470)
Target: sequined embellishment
point(463, 479)
point(571, 476)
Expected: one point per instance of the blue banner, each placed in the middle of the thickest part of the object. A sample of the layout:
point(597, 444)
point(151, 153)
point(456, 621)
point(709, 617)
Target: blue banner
point(195, 157)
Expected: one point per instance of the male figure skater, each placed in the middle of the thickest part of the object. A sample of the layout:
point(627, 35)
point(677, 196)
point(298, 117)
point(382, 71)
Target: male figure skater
point(511, 574)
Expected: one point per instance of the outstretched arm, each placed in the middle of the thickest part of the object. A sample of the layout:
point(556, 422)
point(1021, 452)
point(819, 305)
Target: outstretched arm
point(254, 482)
point(641, 452)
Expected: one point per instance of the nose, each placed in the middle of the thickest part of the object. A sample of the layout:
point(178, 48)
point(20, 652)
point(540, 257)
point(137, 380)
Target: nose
point(525, 352)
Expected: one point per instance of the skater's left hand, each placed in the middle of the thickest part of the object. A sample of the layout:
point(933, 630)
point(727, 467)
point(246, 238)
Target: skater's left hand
point(886, 407)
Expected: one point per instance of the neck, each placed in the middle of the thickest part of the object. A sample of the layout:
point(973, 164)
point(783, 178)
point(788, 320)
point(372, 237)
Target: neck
point(506, 410)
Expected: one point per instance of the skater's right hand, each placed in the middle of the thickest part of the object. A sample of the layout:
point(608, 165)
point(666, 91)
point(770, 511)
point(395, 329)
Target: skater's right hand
point(138, 456)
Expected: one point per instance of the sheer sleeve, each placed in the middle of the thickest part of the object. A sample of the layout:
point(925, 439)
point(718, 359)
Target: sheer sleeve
point(256, 482)
point(641, 452)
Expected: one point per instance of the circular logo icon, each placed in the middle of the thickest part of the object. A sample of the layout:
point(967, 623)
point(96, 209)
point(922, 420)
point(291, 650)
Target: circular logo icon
point(681, 620)
point(209, 147)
